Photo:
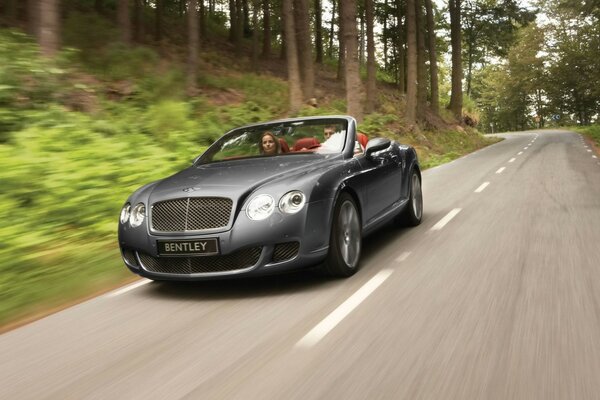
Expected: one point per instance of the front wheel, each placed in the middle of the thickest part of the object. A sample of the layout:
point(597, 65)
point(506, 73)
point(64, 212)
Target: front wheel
point(346, 239)
point(412, 214)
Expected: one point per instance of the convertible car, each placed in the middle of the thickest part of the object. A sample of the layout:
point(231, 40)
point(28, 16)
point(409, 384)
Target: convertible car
point(272, 197)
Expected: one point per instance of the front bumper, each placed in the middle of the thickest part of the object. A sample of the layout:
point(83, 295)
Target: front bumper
point(280, 243)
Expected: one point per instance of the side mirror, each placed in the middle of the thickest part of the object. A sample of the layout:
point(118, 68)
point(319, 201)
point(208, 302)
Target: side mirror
point(376, 145)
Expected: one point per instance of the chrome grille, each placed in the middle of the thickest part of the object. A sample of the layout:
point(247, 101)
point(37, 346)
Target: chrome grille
point(240, 259)
point(191, 214)
point(285, 251)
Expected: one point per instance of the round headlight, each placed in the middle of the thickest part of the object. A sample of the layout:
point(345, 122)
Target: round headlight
point(292, 202)
point(260, 207)
point(137, 215)
point(125, 211)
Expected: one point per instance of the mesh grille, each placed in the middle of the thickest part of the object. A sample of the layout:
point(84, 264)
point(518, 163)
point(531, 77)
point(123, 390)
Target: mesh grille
point(129, 256)
point(194, 265)
point(193, 214)
point(285, 251)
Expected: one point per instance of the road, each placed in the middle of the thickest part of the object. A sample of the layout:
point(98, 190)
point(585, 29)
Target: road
point(496, 295)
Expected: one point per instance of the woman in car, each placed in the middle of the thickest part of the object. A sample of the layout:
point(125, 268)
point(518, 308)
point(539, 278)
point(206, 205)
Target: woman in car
point(269, 145)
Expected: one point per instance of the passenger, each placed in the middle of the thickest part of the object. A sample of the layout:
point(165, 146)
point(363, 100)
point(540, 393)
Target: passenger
point(269, 145)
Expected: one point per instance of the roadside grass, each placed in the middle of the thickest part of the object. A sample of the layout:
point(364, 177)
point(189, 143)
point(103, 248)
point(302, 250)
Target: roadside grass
point(592, 132)
point(79, 134)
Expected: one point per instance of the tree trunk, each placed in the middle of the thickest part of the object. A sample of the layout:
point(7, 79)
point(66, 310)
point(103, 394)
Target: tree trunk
point(239, 30)
point(361, 39)
point(384, 36)
point(319, 32)
point(292, 58)
point(266, 50)
point(341, 45)
point(330, 48)
point(202, 21)
point(400, 46)
point(255, 11)
point(303, 42)
point(411, 79)
point(33, 17)
point(124, 21)
point(246, 29)
point(158, 21)
point(192, 14)
point(232, 21)
point(353, 84)
point(455, 39)
point(421, 66)
point(371, 68)
point(433, 68)
point(49, 27)
point(138, 22)
point(99, 6)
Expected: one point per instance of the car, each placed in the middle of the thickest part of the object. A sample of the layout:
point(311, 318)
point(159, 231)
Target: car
point(245, 209)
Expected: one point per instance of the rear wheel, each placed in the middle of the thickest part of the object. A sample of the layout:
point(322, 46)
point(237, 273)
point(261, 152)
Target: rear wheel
point(412, 214)
point(345, 242)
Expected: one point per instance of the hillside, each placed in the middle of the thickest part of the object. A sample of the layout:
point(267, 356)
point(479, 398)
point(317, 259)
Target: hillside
point(79, 132)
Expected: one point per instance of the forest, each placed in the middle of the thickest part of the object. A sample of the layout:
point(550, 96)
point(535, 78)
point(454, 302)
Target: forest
point(100, 96)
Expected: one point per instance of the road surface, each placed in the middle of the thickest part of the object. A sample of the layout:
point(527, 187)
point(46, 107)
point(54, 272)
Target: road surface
point(496, 295)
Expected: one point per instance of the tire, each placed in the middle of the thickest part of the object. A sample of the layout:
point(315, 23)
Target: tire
point(345, 242)
point(413, 213)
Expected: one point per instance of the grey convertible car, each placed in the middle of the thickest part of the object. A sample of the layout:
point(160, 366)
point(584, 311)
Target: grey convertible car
point(272, 197)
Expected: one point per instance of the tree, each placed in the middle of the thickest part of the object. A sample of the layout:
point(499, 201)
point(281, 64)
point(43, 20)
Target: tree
point(303, 43)
point(124, 21)
point(318, 32)
point(411, 72)
point(341, 44)
point(353, 84)
point(371, 68)
point(433, 68)
point(33, 17)
point(49, 38)
point(421, 65)
point(158, 20)
point(138, 23)
point(266, 49)
point(400, 54)
point(456, 97)
point(292, 57)
point(193, 35)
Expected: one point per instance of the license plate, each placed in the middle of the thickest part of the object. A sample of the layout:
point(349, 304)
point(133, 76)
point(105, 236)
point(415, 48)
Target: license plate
point(203, 247)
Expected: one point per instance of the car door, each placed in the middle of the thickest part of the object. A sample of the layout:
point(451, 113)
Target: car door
point(383, 177)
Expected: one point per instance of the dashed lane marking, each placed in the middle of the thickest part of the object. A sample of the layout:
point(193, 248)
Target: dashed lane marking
point(324, 327)
point(512, 159)
point(442, 222)
point(500, 170)
point(481, 187)
point(403, 256)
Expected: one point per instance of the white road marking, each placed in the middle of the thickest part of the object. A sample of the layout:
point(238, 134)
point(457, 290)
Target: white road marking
point(500, 170)
point(480, 188)
point(403, 256)
point(520, 153)
point(589, 151)
point(331, 321)
point(128, 288)
point(594, 157)
point(525, 148)
point(512, 159)
point(442, 222)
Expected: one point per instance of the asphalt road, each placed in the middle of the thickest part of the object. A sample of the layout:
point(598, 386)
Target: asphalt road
point(495, 296)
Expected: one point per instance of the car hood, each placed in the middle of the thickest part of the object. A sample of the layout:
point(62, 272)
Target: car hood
point(236, 179)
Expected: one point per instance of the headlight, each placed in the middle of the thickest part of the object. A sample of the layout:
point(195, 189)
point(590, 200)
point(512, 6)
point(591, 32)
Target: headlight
point(125, 211)
point(137, 215)
point(260, 207)
point(292, 202)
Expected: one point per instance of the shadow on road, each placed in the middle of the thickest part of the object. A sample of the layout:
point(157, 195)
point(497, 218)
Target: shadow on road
point(274, 285)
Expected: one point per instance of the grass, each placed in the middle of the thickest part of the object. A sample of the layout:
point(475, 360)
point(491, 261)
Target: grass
point(78, 134)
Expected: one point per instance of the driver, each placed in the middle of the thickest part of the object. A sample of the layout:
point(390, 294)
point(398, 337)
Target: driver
point(269, 145)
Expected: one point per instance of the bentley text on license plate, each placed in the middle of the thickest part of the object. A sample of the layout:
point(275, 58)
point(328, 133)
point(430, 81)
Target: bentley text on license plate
point(180, 247)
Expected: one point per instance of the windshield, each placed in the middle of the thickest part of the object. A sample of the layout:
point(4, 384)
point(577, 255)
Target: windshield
point(320, 136)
